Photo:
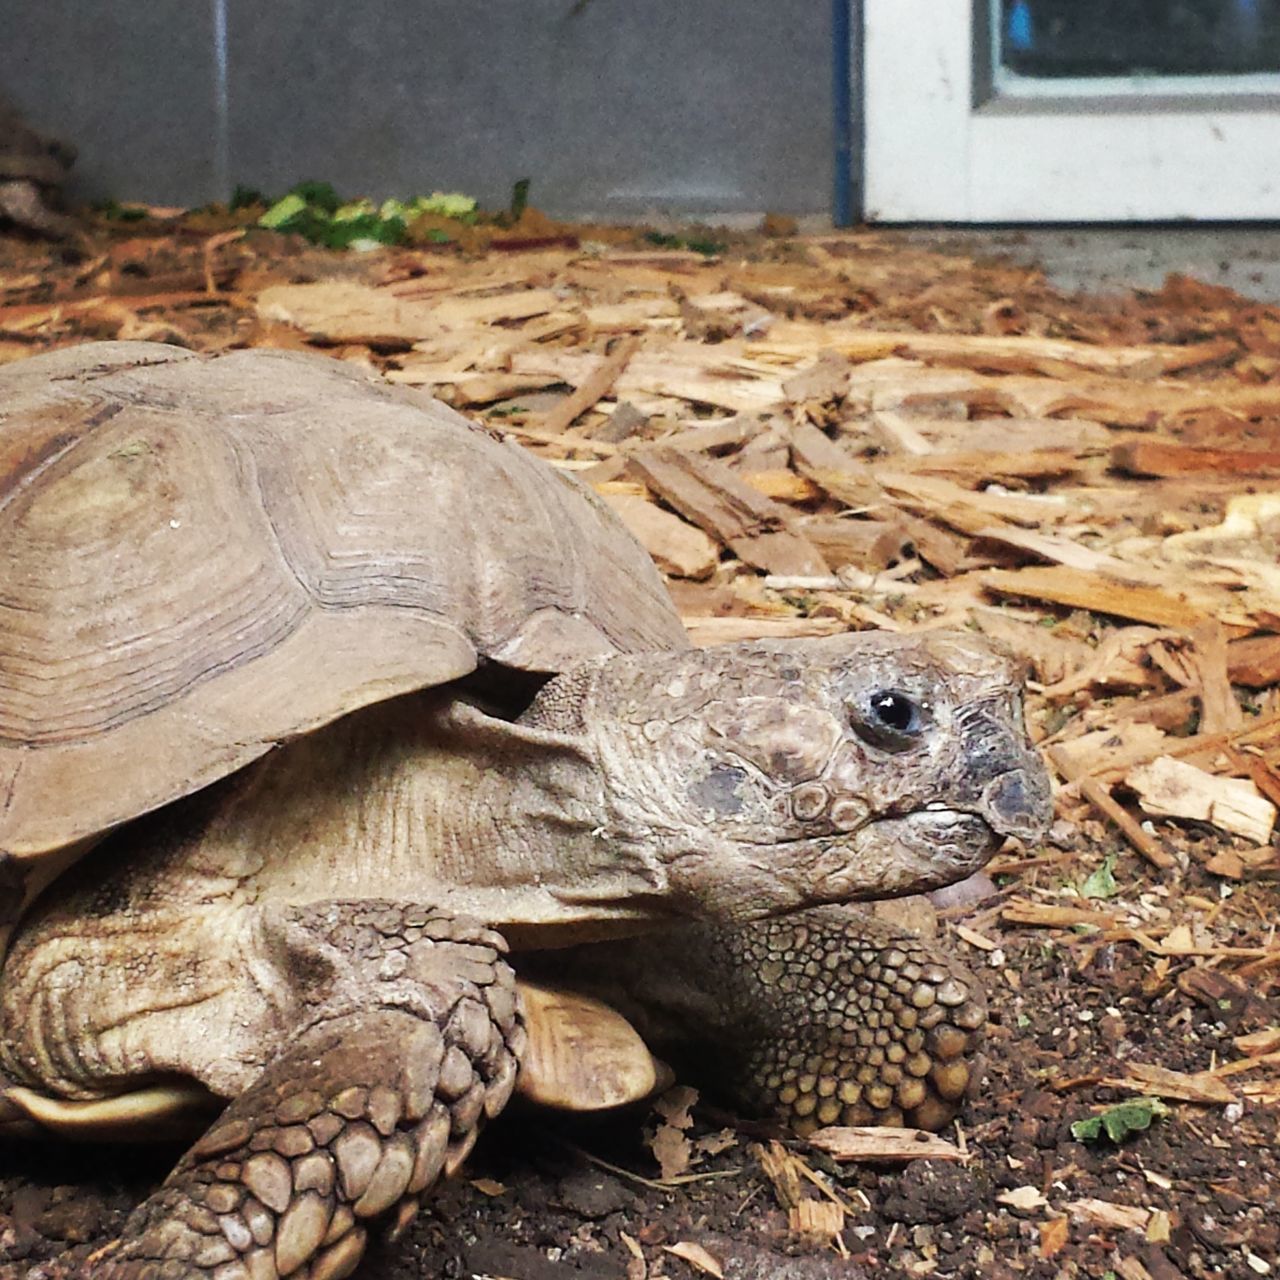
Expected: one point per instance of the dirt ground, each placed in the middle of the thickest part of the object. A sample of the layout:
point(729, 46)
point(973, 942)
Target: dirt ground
point(536, 1203)
point(1161, 968)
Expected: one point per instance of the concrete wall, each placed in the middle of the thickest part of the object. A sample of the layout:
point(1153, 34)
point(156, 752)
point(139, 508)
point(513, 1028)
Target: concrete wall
point(617, 108)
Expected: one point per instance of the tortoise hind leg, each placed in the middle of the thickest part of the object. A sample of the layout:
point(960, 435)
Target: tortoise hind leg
point(827, 1016)
point(355, 1117)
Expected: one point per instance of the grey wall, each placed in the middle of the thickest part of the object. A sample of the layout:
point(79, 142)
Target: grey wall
point(619, 109)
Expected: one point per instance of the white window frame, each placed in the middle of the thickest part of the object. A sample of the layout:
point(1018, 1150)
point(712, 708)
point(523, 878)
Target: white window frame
point(943, 144)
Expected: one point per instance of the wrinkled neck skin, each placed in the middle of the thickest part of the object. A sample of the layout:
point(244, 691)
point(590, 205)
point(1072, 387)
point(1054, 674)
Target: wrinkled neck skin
point(523, 831)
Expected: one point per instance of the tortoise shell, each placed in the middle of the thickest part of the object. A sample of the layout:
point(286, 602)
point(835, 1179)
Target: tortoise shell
point(204, 556)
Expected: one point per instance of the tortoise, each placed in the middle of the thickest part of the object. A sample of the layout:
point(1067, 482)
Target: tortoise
point(321, 706)
point(33, 168)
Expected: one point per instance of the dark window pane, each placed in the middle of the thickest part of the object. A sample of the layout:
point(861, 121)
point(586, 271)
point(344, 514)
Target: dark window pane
point(1054, 38)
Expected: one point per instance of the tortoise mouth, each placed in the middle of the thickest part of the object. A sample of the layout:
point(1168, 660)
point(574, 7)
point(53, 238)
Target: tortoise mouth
point(916, 852)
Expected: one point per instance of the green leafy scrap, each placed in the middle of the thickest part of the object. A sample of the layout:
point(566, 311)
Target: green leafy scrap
point(246, 198)
point(284, 213)
point(1101, 883)
point(115, 212)
point(519, 198)
point(448, 204)
point(663, 240)
point(1118, 1122)
point(314, 210)
point(319, 195)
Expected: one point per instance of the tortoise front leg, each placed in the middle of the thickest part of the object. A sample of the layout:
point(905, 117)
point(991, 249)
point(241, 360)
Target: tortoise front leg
point(827, 1016)
point(410, 1037)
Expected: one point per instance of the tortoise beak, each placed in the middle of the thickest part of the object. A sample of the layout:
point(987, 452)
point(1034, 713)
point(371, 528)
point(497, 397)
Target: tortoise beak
point(1019, 803)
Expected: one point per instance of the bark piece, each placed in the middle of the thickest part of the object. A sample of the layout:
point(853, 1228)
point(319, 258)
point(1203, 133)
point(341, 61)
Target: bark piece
point(873, 1142)
point(710, 496)
point(1254, 661)
point(678, 548)
point(704, 631)
point(1172, 788)
point(1081, 590)
point(592, 388)
point(623, 423)
point(827, 464)
point(1102, 800)
point(1158, 458)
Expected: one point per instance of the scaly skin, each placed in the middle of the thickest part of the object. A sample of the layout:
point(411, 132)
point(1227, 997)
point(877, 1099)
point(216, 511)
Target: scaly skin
point(406, 1037)
point(827, 1016)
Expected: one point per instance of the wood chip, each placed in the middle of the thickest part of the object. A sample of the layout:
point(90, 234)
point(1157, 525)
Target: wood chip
point(826, 379)
point(1259, 1042)
point(677, 547)
point(1219, 710)
point(844, 1142)
point(592, 388)
point(1101, 799)
point(1081, 590)
point(722, 374)
point(1054, 1235)
point(1052, 916)
point(1254, 661)
point(1115, 1217)
point(1132, 1269)
point(783, 1169)
point(1162, 1082)
point(1111, 751)
point(1021, 354)
point(710, 496)
point(974, 938)
point(1172, 788)
point(697, 1257)
point(672, 1150)
point(823, 1219)
point(1158, 458)
point(344, 311)
point(705, 631)
point(1026, 1199)
point(964, 509)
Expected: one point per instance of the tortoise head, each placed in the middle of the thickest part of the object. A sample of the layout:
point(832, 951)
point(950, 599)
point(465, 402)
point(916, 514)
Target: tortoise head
point(765, 777)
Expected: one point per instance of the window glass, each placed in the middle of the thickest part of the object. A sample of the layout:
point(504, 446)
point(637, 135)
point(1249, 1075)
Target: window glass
point(1054, 39)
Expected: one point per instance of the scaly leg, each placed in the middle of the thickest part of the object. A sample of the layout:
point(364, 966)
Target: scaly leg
point(409, 1039)
point(828, 1016)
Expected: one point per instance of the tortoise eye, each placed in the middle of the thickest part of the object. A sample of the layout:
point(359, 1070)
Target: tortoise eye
point(888, 719)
